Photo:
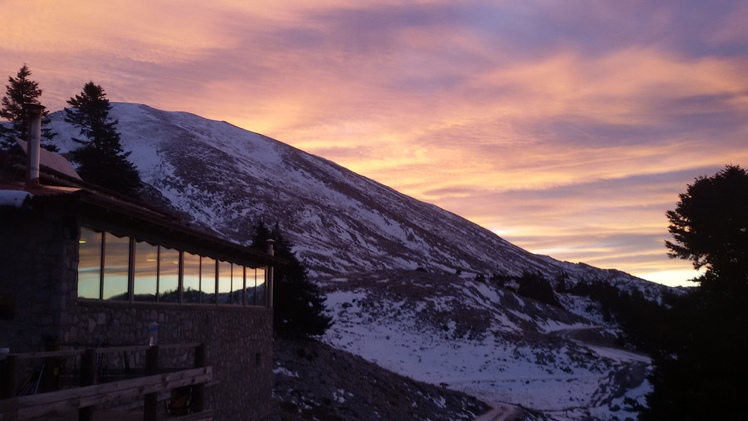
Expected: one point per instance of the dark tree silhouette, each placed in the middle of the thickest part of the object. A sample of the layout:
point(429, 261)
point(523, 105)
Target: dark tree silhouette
point(535, 286)
point(700, 371)
point(298, 304)
point(21, 90)
point(710, 225)
point(101, 158)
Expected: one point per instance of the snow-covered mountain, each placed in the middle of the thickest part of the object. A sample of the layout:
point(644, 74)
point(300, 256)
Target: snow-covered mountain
point(363, 242)
point(224, 179)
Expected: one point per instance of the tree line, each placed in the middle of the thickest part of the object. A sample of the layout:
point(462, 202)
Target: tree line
point(100, 158)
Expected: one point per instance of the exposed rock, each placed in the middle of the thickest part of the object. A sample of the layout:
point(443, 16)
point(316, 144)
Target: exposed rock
point(315, 381)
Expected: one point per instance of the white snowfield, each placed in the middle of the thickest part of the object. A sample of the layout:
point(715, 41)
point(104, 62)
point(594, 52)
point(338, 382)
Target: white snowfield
point(563, 378)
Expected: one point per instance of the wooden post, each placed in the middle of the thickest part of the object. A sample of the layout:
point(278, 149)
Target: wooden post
point(150, 401)
point(88, 378)
point(198, 390)
point(8, 369)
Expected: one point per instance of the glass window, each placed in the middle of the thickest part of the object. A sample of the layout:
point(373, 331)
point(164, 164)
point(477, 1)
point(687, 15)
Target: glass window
point(168, 275)
point(116, 266)
point(208, 280)
point(261, 277)
point(89, 264)
point(237, 284)
point(108, 264)
point(145, 272)
point(190, 278)
point(224, 282)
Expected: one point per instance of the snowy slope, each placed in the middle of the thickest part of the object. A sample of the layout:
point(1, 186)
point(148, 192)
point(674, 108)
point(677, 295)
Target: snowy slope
point(363, 241)
point(488, 342)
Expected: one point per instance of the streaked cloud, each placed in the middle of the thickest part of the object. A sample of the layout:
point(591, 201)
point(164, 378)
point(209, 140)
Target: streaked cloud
point(567, 127)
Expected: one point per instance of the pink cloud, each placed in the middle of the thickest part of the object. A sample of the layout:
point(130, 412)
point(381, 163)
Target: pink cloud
point(517, 115)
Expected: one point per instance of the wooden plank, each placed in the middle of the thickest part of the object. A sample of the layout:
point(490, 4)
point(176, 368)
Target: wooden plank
point(39, 405)
point(197, 416)
point(185, 345)
point(112, 349)
point(75, 352)
point(50, 354)
point(146, 384)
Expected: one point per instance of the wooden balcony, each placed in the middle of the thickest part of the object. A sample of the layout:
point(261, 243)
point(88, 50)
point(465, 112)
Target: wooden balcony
point(142, 388)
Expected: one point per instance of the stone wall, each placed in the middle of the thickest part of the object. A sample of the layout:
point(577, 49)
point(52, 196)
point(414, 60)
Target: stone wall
point(38, 257)
point(238, 345)
point(38, 264)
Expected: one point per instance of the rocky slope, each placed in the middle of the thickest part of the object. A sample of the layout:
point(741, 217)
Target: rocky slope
point(313, 380)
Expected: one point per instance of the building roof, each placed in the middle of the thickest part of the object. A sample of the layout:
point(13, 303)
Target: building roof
point(104, 209)
point(52, 160)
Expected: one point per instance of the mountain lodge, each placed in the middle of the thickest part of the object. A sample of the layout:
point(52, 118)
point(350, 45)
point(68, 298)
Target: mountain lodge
point(111, 304)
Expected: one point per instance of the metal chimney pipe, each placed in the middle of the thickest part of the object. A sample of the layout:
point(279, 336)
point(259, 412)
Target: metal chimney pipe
point(34, 139)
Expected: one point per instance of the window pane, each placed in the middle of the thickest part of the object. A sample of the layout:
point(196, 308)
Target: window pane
point(260, 290)
point(145, 271)
point(116, 262)
point(249, 293)
point(190, 278)
point(89, 265)
point(208, 280)
point(168, 276)
point(224, 282)
point(237, 284)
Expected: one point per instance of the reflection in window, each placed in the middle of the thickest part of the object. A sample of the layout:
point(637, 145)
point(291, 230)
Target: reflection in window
point(260, 276)
point(116, 266)
point(251, 291)
point(89, 265)
point(121, 268)
point(190, 278)
point(237, 284)
point(145, 272)
point(224, 282)
point(168, 275)
point(208, 280)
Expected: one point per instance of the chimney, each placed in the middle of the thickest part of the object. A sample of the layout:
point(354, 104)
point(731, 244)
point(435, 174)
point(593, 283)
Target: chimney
point(34, 139)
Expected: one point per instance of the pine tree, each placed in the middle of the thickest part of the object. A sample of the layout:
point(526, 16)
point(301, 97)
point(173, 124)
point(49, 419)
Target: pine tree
point(298, 304)
point(101, 158)
point(19, 91)
point(700, 371)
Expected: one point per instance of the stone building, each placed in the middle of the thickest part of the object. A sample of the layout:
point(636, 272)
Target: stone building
point(84, 267)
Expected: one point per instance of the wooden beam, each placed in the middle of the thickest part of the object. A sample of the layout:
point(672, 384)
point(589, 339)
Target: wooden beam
point(71, 399)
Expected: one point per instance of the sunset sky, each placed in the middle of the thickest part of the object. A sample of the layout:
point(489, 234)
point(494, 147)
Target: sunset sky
point(567, 127)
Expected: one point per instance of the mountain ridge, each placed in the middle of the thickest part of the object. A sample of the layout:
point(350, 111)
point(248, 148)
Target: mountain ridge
point(416, 289)
point(224, 179)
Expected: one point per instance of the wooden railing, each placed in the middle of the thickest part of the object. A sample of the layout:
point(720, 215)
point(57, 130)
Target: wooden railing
point(90, 393)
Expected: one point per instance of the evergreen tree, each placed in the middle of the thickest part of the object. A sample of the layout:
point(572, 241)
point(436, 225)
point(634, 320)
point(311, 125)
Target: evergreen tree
point(700, 371)
point(101, 158)
point(710, 226)
point(19, 91)
point(298, 304)
point(535, 286)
